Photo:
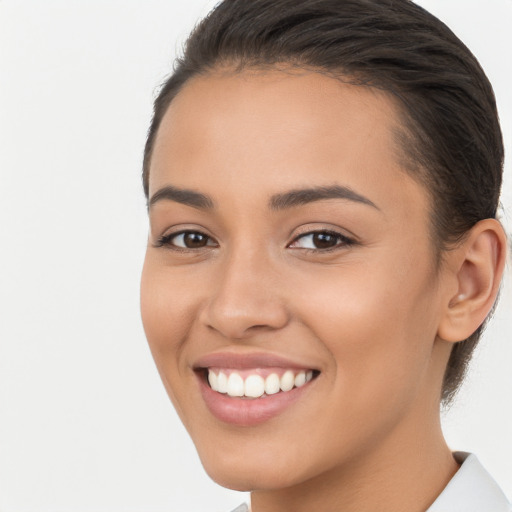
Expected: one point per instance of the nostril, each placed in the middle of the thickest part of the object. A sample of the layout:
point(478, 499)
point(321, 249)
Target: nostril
point(237, 314)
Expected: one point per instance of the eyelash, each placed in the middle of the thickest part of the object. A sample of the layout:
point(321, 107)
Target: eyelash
point(165, 240)
point(343, 241)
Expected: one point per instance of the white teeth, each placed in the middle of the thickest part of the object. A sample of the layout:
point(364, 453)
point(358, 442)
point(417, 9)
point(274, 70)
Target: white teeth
point(272, 384)
point(222, 382)
point(300, 379)
point(255, 386)
point(213, 380)
point(287, 381)
point(235, 385)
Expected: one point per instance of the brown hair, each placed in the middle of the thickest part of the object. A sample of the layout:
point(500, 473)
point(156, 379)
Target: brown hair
point(451, 137)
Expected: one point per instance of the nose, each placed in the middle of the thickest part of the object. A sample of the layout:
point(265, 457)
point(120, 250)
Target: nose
point(246, 297)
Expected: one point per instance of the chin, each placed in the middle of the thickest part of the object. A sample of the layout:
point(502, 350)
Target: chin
point(249, 472)
point(248, 479)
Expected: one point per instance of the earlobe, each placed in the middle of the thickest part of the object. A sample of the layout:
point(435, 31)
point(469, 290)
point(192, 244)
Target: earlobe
point(477, 265)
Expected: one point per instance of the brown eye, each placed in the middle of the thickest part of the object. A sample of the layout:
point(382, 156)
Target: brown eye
point(321, 240)
point(324, 240)
point(186, 240)
point(193, 240)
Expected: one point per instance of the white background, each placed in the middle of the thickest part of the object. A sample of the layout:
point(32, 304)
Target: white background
point(85, 424)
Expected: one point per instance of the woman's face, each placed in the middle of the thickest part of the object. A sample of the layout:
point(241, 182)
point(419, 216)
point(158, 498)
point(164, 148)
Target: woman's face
point(288, 247)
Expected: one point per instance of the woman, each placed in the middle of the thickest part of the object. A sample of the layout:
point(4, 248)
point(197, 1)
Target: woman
point(322, 180)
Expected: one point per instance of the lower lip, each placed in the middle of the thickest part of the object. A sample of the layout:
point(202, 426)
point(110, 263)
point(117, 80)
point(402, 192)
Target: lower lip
point(246, 412)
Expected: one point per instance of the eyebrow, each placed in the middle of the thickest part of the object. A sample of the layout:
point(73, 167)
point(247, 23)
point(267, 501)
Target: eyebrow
point(183, 196)
point(299, 197)
point(280, 201)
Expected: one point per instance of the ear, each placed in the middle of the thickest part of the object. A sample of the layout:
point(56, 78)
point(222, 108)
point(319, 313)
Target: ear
point(476, 266)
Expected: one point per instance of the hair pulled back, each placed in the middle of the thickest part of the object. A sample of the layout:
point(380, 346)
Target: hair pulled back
point(451, 138)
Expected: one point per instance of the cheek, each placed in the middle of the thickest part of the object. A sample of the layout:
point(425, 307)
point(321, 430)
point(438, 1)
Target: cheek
point(378, 322)
point(167, 312)
point(379, 333)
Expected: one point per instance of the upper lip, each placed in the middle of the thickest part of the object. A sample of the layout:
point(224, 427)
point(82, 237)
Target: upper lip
point(241, 361)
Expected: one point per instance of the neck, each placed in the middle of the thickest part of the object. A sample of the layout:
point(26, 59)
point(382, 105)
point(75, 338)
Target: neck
point(406, 472)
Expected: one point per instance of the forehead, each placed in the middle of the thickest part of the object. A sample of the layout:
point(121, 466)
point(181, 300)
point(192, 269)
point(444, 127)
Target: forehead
point(268, 130)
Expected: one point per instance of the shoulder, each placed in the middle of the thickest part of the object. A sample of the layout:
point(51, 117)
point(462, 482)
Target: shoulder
point(472, 489)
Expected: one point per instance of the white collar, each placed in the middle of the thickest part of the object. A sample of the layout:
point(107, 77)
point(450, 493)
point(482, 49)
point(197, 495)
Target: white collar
point(472, 489)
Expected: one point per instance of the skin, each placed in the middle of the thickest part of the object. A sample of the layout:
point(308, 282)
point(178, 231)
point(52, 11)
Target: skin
point(368, 315)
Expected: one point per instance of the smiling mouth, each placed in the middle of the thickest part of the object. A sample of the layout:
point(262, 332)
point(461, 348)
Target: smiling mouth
point(257, 383)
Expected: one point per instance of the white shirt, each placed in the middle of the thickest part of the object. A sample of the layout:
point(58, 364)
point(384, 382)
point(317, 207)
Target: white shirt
point(472, 489)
